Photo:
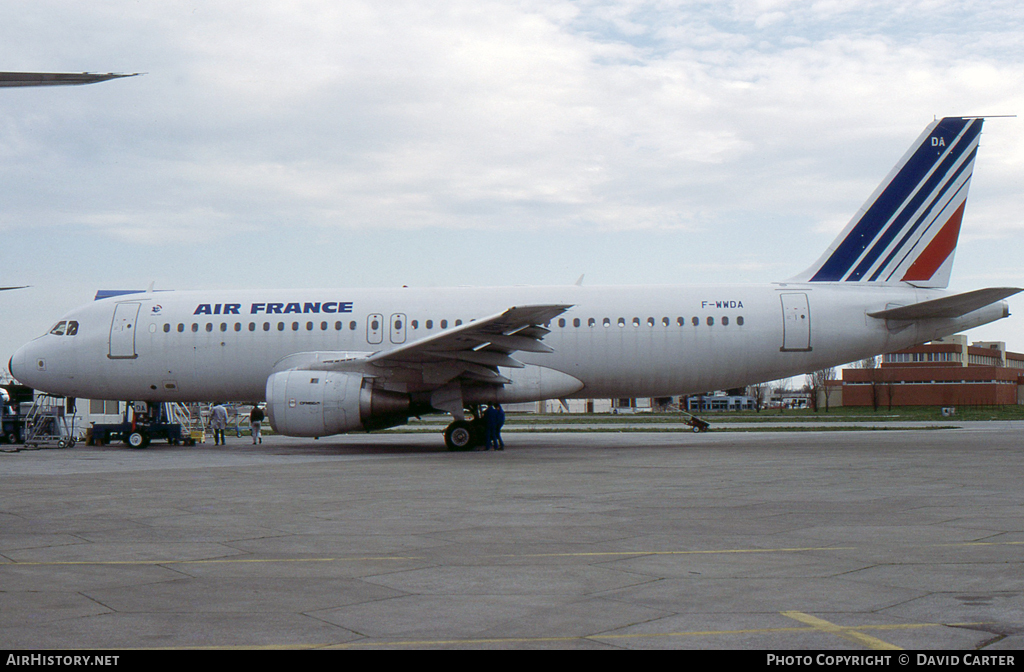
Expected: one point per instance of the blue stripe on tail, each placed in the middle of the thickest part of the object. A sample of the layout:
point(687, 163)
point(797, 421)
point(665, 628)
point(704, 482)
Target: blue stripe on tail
point(872, 224)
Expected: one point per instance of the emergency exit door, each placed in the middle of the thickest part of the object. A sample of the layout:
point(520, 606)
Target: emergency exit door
point(375, 329)
point(397, 325)
point(796, 323)
point(122, 331)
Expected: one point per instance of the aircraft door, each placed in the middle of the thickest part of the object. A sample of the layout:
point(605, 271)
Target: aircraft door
point(374, 329)
point(796, 323)
point(122, 331)
point(398, 328)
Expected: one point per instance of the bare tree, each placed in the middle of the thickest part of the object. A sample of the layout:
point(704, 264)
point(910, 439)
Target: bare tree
point(758, 392)
point(818, 383)
point(871, 363)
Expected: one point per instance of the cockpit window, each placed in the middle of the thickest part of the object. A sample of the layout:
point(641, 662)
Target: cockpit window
point(65, 328)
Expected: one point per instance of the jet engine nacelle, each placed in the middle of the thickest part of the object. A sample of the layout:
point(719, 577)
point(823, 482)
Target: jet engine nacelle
point(321, 403)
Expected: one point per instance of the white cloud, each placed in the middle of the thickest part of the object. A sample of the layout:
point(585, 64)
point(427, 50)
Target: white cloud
point(312, 120)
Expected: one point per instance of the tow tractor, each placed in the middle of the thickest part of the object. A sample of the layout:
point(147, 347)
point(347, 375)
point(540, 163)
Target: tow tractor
point(140, 425)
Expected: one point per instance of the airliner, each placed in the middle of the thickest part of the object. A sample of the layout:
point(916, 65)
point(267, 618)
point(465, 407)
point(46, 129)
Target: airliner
point(341, 360)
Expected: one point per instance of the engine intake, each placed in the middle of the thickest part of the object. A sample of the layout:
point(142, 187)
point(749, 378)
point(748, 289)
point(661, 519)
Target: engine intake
point(321, 403)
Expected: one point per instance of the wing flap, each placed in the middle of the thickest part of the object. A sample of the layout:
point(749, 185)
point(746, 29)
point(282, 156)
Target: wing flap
point(473, 351)
point(519, 325)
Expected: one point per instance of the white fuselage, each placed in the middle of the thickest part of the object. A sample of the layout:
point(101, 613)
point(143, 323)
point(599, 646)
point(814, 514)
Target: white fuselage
point(639, 341)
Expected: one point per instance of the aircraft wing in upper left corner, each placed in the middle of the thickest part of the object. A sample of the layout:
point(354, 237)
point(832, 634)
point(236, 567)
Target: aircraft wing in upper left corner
point(8, 79)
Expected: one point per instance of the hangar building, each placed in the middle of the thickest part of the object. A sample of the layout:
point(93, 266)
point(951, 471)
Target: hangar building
point(947, 372)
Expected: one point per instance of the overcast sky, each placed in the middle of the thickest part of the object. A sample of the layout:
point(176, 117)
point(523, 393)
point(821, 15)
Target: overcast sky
point(347, 143)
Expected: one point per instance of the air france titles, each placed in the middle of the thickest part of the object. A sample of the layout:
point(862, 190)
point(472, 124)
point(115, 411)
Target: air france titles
point(297, 308)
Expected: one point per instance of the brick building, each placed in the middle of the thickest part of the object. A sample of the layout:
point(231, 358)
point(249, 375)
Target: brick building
point(948, 372)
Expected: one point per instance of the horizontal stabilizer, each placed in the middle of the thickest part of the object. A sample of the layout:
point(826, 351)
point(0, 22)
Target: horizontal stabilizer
point(948, 306)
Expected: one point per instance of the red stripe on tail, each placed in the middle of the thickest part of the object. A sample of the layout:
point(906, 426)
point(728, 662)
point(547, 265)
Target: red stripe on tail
point(938, 250)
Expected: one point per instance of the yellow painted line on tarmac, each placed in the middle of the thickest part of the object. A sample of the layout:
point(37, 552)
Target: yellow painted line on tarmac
point(707, 552)
point(849, 634)
point(980, 543)
point(852, 633)
point(811, 624)
point(400, 558)
point(225, 561)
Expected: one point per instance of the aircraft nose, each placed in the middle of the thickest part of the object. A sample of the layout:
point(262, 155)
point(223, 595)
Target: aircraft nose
point(20, 365)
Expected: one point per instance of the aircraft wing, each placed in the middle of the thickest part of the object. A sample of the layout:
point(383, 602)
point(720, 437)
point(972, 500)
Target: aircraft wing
point(472, 351)
point(947, 306)
point(56, 78)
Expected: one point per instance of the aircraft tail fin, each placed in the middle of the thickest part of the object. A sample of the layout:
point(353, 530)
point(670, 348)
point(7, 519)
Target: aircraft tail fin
point(908, 229)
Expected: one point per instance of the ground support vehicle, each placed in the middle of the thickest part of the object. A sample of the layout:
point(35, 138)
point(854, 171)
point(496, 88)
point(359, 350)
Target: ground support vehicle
point(140, 426)
point(696, 423)
point(46, 424)
point(12, 426)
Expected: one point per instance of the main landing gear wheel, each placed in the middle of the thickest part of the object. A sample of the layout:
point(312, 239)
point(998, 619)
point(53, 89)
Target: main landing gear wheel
point(459, 436)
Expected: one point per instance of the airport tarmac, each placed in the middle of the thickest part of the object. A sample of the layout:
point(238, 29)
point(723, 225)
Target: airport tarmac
point(774, 540)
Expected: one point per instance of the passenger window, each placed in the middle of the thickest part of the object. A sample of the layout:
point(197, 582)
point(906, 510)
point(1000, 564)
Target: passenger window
point(309, 326)
point(415, 324)
point(739, 320)
point(650, 321)
point(238, 326)
point(352, 325)
point(725, 321)
point(295, 326)
point(458, 323)
point(711, 321)
point(209, 326)
point(665, 321)
point(337, 325)
point(576, 322)
point(195, 327)
point(181, 327)
point(681, 321)
point(167, 328)
point(430, 324)
point(223, 326)
point(266, 326)
point(561, 322)
point(591, 322)
point(444, 324)
point(280, 326)
point(622, 321)
point(636, 321)
point(323, 326)
point(695, 321)
point(607, 322)
point(252, 326)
